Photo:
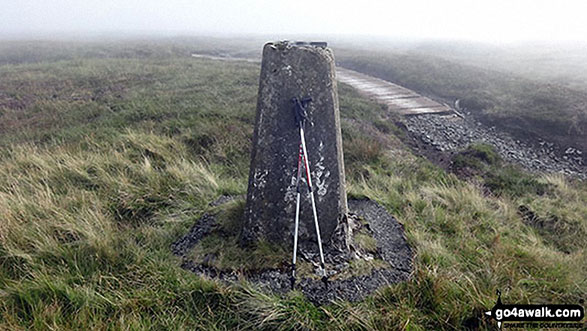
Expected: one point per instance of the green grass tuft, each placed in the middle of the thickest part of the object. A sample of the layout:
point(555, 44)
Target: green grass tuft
point(107, 159)
point(497, 176)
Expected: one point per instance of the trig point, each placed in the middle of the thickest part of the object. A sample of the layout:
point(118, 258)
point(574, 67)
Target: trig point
point(296, 197)
point(304, 71)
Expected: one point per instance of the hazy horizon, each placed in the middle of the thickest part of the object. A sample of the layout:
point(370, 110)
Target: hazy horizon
point(495, 22)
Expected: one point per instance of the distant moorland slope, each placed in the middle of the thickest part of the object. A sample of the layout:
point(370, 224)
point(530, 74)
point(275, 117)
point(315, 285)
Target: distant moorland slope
point(110, 152)
point(529, 109)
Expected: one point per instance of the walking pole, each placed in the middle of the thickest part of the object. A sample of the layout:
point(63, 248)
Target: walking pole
point(309, 179)
point(297, 222)
point(300, 117)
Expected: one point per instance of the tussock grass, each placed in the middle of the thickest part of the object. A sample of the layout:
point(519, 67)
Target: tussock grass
point(468, 245)
point(500, 178)
point(75, 224)
point(95, 187)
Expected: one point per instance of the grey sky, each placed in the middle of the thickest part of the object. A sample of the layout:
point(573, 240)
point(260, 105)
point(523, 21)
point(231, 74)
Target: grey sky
point(494, 21)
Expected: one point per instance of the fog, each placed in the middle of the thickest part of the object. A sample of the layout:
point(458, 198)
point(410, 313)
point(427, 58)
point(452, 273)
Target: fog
point(487, 21)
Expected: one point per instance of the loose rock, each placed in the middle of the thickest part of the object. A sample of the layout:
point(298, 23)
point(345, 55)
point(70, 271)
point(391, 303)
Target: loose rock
point(452, 133)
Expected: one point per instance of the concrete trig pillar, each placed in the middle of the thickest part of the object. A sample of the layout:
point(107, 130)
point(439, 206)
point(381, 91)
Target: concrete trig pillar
point(295, 70)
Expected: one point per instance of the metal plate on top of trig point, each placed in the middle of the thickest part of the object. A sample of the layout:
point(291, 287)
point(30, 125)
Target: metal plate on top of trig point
point(287, 71)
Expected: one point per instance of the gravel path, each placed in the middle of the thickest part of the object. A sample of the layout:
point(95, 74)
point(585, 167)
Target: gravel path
point(451, 133)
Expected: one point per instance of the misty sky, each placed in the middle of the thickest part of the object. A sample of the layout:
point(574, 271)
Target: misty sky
point(493, 21)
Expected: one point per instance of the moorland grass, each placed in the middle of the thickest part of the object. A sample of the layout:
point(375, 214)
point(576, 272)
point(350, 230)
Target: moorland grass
point(94, 190)
point(526, 108)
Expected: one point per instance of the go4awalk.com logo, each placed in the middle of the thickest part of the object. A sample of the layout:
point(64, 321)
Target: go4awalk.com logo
point(550, 315)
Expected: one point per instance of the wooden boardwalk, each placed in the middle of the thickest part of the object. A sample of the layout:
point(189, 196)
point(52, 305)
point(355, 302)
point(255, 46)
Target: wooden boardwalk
point(397, 98)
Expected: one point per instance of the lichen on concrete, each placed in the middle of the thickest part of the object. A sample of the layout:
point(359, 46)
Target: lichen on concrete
point(287, 71)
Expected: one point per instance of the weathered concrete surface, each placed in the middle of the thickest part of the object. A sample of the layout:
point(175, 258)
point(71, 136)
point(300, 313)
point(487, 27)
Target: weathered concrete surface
point(449, 133)
point(398, 99)
point(289, 71)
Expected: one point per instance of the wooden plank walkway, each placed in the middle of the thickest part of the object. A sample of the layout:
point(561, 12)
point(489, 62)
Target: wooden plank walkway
point(397, 98)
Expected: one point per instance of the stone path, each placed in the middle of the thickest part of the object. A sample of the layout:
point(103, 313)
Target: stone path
point(449, 134)
point(438, 126)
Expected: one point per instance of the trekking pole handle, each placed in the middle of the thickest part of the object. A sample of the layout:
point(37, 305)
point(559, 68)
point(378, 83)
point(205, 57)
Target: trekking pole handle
point(300, 110)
